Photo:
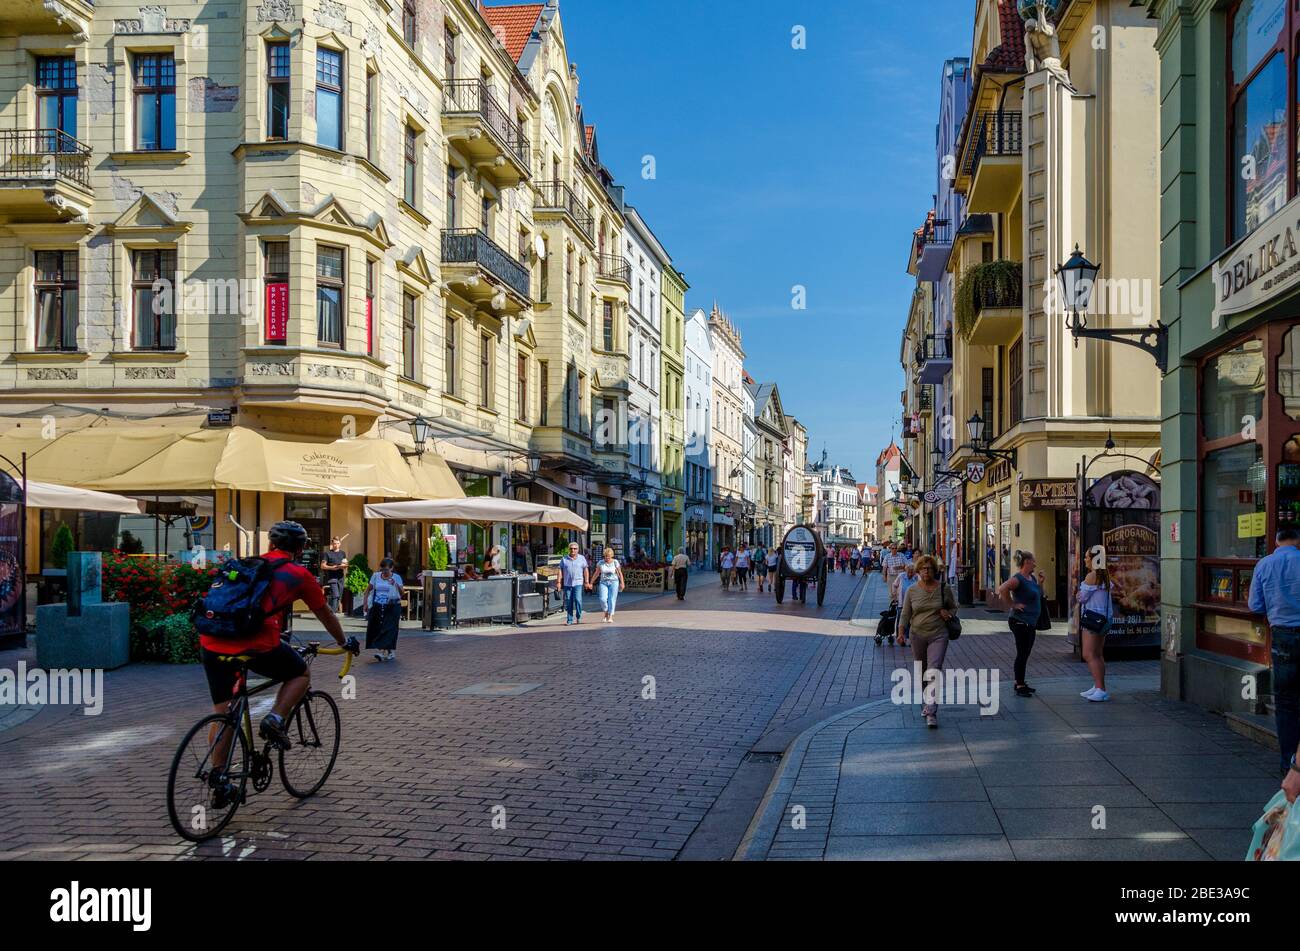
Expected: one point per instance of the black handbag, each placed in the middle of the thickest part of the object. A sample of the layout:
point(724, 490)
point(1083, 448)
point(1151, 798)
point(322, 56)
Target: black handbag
point(1094, 622)
point(953, 624)
point(1044, 620)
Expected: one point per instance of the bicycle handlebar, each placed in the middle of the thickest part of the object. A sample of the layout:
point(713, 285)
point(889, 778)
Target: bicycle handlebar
point(336, 651)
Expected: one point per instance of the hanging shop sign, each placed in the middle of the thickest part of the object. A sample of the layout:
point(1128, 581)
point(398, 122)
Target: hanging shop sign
point(974, 472)
point(277, 313)
point(1059, 495)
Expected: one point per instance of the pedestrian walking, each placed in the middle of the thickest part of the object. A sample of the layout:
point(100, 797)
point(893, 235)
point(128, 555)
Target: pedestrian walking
point(855, 559)
point(681, 571)
point(573, 579)
point(383, 603)
point(334, 570)
point(760, 566)
point(1275, 593)
point(902, 584)
point(892, 563)
point(728, 563)
point(744, 561)
point(928, 606)
point(1095, 612)
point(773, 561)
point(1026, 617)
point(844, 559)
point(609, 583)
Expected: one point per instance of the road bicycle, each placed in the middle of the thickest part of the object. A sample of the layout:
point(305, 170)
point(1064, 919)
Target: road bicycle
point(202, 798)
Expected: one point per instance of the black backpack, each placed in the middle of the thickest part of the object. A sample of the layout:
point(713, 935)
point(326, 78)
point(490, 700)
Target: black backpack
point(231, 609)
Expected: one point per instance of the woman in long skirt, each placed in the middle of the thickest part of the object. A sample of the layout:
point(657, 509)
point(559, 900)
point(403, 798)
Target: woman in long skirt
point(383, 600)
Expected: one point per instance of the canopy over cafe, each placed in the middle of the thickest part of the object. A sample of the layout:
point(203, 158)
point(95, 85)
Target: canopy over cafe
point(213, 487)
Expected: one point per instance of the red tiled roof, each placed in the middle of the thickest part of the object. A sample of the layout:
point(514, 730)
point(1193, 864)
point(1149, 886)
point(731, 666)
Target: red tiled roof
point(591, 134)
point(514, 24)
point(1010, 56)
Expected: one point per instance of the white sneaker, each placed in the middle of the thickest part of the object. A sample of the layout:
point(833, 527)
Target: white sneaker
point(1087, 694)
point(1099, 696)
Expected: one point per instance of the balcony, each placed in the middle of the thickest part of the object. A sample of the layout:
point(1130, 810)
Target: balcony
point(993, 162)
point(44, 176)
point(933, 359)
point(482, 129)
point(557, 198)
point(612, 267)
point(49, 16)
point(925, 401)
point(936, 246)
point(989, 303)
point(481, 271)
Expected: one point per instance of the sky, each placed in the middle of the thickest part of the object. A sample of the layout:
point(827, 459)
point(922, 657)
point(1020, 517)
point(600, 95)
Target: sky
point(777, 167)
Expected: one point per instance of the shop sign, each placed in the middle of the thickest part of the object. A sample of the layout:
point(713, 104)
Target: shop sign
point(975, 472)
point(277, 313)
point(618, 516)
point(1252, 525)
point(1060, 495)
point(323, 466)
point(1263, 266)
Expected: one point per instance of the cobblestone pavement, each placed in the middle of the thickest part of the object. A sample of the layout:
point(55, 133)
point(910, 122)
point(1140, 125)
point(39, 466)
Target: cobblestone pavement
point(583, 766)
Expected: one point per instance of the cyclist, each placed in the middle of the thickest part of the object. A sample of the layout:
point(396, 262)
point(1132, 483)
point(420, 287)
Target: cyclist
point(268, 652)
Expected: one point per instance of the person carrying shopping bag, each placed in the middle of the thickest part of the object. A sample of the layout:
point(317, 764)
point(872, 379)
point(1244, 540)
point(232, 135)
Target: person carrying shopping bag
point(383, 602)
point(609, 582)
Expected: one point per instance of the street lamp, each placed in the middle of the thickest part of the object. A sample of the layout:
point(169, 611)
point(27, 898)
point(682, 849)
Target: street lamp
point(421, 431)
point(940, 471)
point(980, 444)
point(1078, 279)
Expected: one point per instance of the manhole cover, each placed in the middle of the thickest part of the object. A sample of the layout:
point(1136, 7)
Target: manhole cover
point(588, 775)
point(762, 758)
point(495, 690)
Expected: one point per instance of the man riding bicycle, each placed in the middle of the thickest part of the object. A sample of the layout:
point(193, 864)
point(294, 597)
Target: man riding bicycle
point(267, 652)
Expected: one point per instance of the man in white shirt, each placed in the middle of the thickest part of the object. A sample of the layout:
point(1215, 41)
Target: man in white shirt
point(728, 567)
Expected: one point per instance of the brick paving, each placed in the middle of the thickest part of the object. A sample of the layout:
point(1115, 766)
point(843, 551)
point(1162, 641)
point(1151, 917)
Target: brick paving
point(582, 765)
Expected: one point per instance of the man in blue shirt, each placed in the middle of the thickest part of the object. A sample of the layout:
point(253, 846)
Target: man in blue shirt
point(574, 578)
point(1275, 593)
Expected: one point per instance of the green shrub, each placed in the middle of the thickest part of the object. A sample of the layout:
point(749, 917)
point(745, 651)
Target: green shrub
point(358, 577)
point(61, 545)
point(439, 551)
point(178, 640)
point(1000, 279)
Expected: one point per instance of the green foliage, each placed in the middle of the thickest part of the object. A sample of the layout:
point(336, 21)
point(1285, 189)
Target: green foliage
point(439, 551)
point(131, 545)
point(561, 545)
point(994, 280)
point(358, 577)
point(178, 640)
point(61, 546)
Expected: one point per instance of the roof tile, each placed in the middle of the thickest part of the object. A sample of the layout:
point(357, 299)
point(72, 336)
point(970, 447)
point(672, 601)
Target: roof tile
point(513, 24)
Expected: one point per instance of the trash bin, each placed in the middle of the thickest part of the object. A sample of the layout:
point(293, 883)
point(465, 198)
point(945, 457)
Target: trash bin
point(439, 588)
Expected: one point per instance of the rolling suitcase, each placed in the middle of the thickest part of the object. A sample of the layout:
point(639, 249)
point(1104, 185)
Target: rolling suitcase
point(888, 624)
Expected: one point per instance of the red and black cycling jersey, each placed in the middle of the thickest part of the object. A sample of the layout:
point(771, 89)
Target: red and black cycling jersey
point(291, 582)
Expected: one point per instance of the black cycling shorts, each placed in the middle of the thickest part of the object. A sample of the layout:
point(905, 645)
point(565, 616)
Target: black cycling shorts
point(279, 664)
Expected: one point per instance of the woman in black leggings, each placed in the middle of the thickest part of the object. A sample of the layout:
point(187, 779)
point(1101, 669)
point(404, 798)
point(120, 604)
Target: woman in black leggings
point(1025, 588)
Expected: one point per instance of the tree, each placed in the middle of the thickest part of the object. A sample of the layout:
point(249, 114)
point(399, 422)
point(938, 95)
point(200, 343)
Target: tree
point(439, 551)
point(62, 544)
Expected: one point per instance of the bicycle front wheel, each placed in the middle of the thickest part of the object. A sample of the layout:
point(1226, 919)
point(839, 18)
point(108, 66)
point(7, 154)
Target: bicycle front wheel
point(314, 730)
point(203, 797)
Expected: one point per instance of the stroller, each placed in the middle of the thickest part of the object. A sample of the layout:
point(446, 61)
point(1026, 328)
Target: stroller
point(888, 624)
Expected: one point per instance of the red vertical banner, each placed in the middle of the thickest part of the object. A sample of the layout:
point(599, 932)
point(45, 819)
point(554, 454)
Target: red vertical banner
point(277, 313)
point(370, 330)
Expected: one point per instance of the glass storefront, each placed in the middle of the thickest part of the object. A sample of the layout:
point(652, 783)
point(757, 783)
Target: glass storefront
point(175, 527)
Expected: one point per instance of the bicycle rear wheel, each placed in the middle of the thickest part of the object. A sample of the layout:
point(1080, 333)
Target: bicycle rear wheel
point(198, 811)
point(314, 730)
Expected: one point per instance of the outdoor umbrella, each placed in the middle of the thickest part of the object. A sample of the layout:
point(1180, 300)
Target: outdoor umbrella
point(47, 495)
point(480, 509)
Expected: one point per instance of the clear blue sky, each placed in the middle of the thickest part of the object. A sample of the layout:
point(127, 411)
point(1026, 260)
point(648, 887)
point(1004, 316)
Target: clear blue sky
point(778, 167)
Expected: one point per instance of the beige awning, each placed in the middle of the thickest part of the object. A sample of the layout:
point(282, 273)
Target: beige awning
point(47, 495)
point(479, 509)
point(183, 455)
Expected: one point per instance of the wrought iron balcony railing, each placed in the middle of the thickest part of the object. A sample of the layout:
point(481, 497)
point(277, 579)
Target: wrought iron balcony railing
point(472, 96)
point(558, 196)
point(471, 246)
point(613, 267)
point(43, 153)
point(933, 347)
point(996, 134)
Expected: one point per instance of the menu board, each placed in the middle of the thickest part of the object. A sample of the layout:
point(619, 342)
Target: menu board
point(1122, 512)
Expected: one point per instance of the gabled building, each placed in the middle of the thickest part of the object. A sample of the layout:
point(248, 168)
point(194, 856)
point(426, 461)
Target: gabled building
point(773, 461)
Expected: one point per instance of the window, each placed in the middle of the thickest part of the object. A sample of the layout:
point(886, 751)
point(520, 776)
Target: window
point(409, 304)
point(277, 90)
point(275, 257)
point(154, 313)
point(986, 410)
point(544, 394)
point(56, 101)
point(570, 397)
point(372, 266)
point(408, 22)
point(545, 264)
point(1017, 373)
point(609, 325)
point(453, 174)
point(521, 386)
point(410, 166)
point(56, 300)
point(485, 215)
point(1232, 485)
point(451, 358)
point(329, 296)
point(449, 51)
point(1263, 53)
point(372, 84)
point(155, 102)
point(329, 98)
point(486, 351)
point(1232, 387)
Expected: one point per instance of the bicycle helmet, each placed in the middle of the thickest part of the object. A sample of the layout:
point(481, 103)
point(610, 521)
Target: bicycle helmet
point(288, 536)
